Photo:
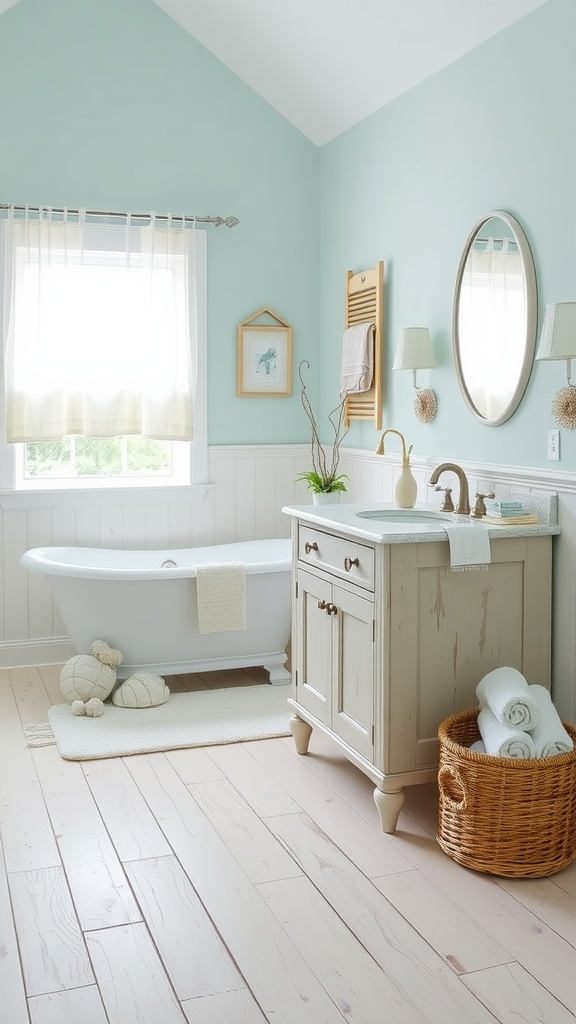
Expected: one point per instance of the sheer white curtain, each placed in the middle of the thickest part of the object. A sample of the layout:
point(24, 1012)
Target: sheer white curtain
point(492, 320)
point(99, 325)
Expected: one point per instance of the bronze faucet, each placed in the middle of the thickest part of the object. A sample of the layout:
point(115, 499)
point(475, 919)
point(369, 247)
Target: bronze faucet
point(463, 506)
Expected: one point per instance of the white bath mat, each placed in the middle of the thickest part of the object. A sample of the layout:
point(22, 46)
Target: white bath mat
point(198, 719)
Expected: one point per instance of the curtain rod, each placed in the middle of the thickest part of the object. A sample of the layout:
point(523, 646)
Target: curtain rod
point(499, 241)
point(230, 222)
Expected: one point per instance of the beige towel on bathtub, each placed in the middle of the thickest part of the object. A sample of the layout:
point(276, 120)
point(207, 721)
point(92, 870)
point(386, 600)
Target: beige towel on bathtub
point(221, 596)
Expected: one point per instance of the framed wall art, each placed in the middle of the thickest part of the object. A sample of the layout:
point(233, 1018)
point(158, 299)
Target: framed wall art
point(264, 356)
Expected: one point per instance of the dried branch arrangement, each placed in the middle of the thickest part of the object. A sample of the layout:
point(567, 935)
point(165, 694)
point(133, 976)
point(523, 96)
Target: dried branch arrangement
point(324, 476)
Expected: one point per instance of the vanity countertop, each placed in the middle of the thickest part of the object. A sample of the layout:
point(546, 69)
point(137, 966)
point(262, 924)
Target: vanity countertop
point(345, 519)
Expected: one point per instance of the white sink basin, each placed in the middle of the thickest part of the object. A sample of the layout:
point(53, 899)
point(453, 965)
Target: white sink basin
point(406, 516)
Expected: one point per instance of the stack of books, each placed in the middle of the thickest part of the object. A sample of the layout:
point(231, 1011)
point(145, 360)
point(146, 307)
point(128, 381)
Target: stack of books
point(508, 513)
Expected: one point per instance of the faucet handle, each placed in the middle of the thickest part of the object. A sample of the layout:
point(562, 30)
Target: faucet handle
point(447, 503)
point(479, 509)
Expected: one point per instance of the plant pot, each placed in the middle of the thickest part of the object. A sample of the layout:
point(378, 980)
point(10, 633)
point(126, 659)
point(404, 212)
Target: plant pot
point(326, 497)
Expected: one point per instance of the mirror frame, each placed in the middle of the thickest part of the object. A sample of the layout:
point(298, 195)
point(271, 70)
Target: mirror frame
point(531, 317)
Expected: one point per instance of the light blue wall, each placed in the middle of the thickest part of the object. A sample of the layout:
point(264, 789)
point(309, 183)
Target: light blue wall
point(494, 130)
point(110, 104)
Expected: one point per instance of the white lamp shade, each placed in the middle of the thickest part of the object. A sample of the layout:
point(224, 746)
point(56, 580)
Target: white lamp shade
point(414, 349)
point(558, 337)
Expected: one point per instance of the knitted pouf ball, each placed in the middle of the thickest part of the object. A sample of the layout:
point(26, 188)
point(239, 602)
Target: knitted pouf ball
point(141, 690)
point(88, 679)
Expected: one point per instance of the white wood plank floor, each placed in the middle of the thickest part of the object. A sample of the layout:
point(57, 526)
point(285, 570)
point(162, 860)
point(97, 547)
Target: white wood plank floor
point(242, 884)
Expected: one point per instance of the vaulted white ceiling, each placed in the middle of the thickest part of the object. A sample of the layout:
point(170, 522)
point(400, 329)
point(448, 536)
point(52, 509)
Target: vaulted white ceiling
point(327, 64)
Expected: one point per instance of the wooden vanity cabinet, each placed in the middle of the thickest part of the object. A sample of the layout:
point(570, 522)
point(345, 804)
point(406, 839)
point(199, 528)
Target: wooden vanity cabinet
point(335, 659)
point(387, 641)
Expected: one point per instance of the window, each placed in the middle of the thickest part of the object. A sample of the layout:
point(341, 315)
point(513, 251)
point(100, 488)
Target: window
point(122, 461)
point(104, 329)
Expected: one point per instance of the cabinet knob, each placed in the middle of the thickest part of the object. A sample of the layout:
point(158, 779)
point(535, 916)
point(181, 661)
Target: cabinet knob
point(321, 605)
point(331, 609)
point(310, 547)
point(349, 562)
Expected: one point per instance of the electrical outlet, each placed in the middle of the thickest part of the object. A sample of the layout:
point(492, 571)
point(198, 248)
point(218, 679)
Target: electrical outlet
point(553, 445)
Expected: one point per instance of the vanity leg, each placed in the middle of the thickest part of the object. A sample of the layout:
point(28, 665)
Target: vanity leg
point(389, 806)
point(301, 732)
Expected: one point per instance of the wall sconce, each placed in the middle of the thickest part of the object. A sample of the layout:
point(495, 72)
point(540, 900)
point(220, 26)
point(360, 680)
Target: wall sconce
point(414, 352)
point(558, 341)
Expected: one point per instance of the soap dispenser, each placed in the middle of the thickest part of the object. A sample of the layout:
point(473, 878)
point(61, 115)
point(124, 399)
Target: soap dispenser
point(406, 490)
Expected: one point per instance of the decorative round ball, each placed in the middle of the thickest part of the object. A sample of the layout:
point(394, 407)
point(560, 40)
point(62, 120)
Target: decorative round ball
point(425, 405)
point(93, 708)
point(564, 407)
point(106, 654)
point(84, 676)
point(141, 690)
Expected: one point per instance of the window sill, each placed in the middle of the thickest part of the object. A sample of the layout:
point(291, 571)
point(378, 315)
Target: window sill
point(59, 497)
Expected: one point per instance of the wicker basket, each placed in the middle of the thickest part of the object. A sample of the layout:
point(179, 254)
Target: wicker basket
point(500, 815)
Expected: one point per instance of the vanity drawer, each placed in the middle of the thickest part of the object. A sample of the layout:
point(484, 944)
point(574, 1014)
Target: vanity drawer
point(347, 558)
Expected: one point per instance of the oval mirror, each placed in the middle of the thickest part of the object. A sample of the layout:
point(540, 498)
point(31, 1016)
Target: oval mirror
point(494, 318)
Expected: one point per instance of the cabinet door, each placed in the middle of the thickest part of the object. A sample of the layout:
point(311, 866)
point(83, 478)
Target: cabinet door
point(353, 671)
point(314, 646)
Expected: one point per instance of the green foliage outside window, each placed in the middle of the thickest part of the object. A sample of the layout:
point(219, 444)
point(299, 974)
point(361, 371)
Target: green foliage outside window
point(48, 458)
point(97, 456)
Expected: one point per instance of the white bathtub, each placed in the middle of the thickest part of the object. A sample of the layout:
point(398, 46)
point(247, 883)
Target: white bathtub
point(144, 604)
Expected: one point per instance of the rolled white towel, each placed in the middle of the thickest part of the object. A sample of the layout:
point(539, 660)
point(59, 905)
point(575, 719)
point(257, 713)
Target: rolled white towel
point(502, 741)
point(477, 747)
point(550, 736)
point(507, 694)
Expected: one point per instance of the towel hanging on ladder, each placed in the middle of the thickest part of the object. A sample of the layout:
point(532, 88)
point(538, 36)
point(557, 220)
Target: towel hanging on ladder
point(357, 359)
point(365, 306)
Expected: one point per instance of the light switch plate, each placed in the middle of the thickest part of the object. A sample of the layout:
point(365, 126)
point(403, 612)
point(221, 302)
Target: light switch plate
point(553, 445)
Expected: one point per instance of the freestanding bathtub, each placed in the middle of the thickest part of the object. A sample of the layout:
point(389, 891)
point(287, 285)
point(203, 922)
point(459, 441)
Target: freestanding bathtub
point(144, 604)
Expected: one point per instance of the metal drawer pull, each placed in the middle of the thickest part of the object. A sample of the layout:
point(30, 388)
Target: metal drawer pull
point(349, 562)
point(327, 606)
point(310, 547)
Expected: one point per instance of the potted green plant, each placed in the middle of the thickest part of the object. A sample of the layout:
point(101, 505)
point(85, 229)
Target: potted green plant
point(323, 480)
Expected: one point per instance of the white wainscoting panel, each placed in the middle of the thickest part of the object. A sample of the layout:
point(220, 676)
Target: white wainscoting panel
point(249, 484)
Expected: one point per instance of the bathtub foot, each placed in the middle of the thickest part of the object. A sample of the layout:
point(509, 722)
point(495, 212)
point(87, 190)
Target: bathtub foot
point(301, 732)
point(278, 674)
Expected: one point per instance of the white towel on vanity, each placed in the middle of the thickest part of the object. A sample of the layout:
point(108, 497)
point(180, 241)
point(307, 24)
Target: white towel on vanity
point(506, 692)
point(501, 741)
point(550, 736)
point(221, 596)
point(469, 546)
point(357, 359)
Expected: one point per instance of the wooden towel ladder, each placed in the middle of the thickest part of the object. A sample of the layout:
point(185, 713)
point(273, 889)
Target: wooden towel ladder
point(365, 303)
